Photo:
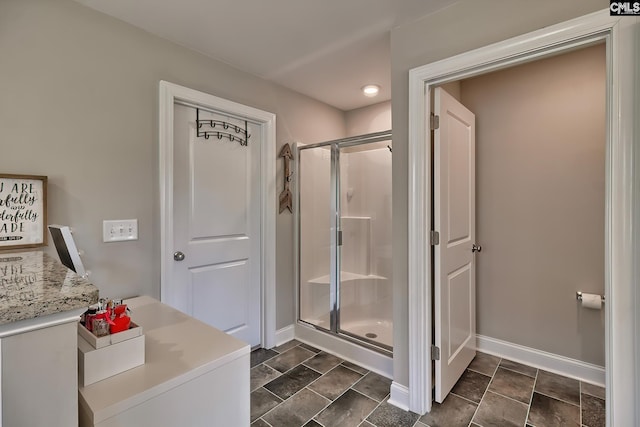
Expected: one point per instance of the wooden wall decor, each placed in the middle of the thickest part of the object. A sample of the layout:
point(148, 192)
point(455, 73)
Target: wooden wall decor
point(286, 199)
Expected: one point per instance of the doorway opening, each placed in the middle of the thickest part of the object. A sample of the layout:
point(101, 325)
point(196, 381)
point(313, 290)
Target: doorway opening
point(619, 201)
point(538, 212)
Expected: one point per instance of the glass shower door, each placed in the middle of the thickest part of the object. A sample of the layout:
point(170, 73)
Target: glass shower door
point(315, 267)
point(343, 223)
point(364, 258)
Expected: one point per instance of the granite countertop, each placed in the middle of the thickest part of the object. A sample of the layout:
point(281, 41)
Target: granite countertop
point(33, 284)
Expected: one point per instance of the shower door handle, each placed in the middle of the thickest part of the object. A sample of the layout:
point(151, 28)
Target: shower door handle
point(339, 238)
point(476, 248)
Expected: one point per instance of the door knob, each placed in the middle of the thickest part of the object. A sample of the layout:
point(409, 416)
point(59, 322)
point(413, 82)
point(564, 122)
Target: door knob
point(178, 256)
point(476, 248)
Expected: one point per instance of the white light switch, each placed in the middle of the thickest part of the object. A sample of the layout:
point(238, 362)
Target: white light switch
point(119, 230)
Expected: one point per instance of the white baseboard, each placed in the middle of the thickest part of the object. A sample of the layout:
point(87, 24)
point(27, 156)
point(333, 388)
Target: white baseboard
point(284, 335)
point(399, 396)
point(562, 365)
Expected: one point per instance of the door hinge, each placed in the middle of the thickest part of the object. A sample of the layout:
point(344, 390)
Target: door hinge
point(339, 238)
point(434, 238)
point(434, 122)
point(435, 353)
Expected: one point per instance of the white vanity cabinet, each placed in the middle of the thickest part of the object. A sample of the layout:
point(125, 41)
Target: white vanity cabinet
point(39, 373)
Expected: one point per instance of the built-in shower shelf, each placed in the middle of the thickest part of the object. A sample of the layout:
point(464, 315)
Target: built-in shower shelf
point(345, 277)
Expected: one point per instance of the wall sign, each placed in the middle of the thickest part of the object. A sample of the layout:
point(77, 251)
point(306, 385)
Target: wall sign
point(23, 211)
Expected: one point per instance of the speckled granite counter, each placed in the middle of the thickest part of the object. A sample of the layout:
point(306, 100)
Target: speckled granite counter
point(33, 284)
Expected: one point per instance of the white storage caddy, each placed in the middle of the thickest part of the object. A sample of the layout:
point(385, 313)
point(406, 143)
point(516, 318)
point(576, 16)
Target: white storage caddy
point(103, 357)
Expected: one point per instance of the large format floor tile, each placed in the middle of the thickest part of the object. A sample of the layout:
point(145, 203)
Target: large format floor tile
point(550, 412)
point(512, 384)
point(500, 411)
point(297, 385)
point(471, 386)
point(348, 410)
point(453, 412)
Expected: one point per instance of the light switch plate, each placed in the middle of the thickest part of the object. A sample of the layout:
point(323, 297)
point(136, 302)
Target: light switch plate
point(119, 230)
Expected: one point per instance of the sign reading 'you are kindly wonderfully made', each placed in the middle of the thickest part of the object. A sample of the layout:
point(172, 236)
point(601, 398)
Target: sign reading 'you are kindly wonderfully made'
point(23, 211)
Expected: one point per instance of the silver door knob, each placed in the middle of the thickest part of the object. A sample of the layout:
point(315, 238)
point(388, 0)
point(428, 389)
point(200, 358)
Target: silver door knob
point(178, 256)
point(476, 248)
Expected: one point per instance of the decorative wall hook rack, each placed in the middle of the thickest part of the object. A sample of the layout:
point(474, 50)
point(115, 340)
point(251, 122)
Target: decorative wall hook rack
point(239, 134)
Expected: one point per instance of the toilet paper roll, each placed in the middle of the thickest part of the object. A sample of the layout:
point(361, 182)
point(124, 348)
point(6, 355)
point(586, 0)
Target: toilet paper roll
point(592, 301)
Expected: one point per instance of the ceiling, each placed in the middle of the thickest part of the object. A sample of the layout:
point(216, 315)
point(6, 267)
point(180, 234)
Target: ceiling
point(325, 49)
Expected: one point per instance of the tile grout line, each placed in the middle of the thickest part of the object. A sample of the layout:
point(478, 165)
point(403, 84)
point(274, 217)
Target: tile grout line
point(265, 421)
point(510, 398)
point(274, 370)
point(580, 400)
point(519, 372)
point(535, 381)
point(318, 413)
point(290, 397)
point(343, 393)
point(295, 366)
point(483, 395)
point(558, 399)
point(372, 411)
point(464, 398)
point(341, 364)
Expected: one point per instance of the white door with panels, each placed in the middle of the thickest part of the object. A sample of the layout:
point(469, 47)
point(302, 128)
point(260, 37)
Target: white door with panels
point(216, 221)
point(454, 221)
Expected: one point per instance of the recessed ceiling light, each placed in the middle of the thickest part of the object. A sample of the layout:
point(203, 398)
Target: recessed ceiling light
point(371, 90)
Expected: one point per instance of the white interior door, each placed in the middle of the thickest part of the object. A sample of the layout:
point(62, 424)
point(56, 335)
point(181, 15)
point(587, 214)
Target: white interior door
point(454, 219)
point(216, 226)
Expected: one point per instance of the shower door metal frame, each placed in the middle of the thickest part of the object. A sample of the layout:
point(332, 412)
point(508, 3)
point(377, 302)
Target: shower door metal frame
point(335, 230)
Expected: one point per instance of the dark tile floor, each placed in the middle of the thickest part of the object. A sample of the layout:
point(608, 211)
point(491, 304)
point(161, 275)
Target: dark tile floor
point(296, 385)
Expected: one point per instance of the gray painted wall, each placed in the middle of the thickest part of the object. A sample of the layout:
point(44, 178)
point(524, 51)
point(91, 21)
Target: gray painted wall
point(374, 118)
point(540, 164)
point(79, 104)
point(466, 25)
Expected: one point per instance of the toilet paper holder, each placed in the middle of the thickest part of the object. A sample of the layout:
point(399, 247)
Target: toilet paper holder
point(579, 296)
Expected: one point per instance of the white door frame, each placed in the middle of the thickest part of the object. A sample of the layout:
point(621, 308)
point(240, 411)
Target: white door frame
point(622, 216)
point(171, 93)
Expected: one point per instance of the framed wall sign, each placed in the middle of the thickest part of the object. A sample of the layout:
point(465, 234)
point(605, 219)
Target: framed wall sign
point(23, 211)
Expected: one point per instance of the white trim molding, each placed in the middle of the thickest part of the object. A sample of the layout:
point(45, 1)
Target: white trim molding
point(169, 94)
point(622, 330)
point(285, 335)
point(562, 365)
point(399, 396)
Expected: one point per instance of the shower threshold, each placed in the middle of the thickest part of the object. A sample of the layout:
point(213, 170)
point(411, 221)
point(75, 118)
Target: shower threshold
point(356, 351)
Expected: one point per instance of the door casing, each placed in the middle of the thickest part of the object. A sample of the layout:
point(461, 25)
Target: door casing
point(169, 93)
point(622, 346)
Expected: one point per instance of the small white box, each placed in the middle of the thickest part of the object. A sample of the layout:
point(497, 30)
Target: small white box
point(99, 342)
point(96, 364)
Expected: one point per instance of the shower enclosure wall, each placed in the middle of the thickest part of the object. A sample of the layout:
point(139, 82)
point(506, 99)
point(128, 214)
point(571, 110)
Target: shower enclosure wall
point(344, 239)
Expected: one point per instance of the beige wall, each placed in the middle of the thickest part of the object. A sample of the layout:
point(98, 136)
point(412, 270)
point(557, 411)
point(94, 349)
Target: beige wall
point(464, 26)
point(374, 118)
point(79, 104)
point(540, 163)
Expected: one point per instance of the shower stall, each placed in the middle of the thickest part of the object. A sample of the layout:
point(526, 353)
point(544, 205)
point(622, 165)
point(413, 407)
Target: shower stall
point(343, 235)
